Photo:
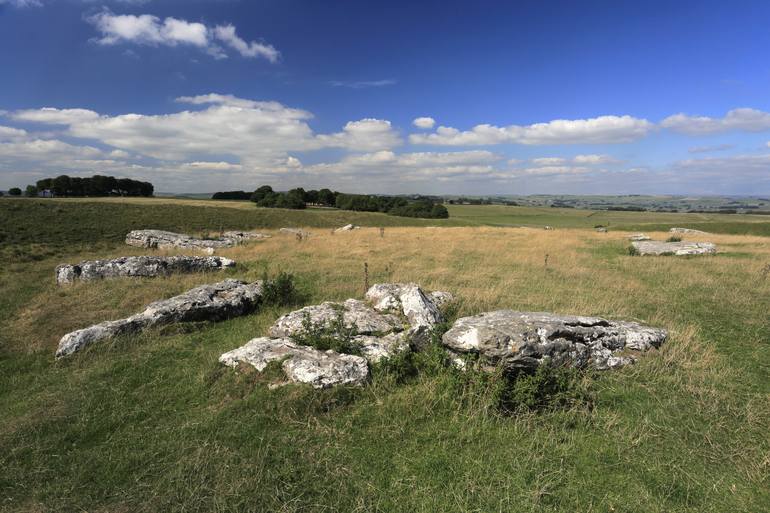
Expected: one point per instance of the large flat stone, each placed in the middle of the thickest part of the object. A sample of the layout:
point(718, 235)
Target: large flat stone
point(215, 302)
point(300, 364)
point(138, 266)
point(674, 248)
point(523, 340)
point(160, 239)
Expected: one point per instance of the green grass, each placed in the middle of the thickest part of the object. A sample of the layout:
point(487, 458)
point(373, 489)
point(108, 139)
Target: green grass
point(153, 422)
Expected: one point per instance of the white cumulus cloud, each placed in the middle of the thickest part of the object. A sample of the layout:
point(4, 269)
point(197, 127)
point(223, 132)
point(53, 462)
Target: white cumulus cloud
point(424, 122)
point(146, 29)
point(599, 130)
point(743, 119)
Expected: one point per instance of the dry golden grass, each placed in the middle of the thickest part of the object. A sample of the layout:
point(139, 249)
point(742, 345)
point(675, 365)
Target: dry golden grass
point(486, 268)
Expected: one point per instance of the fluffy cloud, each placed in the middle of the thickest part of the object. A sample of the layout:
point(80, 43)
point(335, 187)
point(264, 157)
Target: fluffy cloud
point(55, 116)
point(424, 122)
point(363, 135)
point(226, 34)
point(259, 134)
point(600, 130)
point(146, 29)
point(9, 133)
point(746, 120)
point(393, 169)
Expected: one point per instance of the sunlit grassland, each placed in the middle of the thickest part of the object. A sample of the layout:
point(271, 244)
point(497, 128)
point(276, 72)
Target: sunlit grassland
point(154, 423)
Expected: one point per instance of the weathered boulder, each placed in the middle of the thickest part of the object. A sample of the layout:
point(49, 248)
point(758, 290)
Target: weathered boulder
point(638, 237)
point(674, 248)
point(138, 266)
point(524, 340)
point(301, 364)
point(160, 239)
point(355, 315)
point(215, 302)
point(409, 299)
point(601, 229)
point(347, 228)
point(421, 310)
point(687, 230)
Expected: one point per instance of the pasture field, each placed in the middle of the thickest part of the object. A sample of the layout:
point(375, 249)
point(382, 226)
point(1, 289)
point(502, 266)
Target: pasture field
point(154, 423)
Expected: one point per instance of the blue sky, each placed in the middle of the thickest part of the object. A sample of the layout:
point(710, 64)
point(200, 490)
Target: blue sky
point(396, 97)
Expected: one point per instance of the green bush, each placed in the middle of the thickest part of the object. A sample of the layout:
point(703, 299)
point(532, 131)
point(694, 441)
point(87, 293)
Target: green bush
point(280, 291)
point(674, 238)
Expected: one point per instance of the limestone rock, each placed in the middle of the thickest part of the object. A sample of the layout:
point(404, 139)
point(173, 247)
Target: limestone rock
point(356, 316)
point(301, 364)
point(674, 248)
point(687, 230)
point(159, 239)
point(524, 340)
point(374, 349)
point(638, 237)
point(241, 237)
point(601, 229)
point(138, 266)
point(408, 298)
point(215, 302)
point(347, 228)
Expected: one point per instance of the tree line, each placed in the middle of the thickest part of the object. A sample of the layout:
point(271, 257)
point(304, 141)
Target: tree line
point(97, 185)
point(299, 198)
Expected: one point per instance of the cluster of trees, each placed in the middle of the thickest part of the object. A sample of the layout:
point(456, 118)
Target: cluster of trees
point(397, 206)
point(299, 198)
point(97, 185)
point(232, 195)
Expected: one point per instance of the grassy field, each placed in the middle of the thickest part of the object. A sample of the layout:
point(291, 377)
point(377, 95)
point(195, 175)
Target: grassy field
point(504, 216)
point(154, 423)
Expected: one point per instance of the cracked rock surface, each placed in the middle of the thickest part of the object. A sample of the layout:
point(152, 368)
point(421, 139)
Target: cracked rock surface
point(138, 266)
point(300, 364)
point(356, 316)
point(214, 302)
point(160, 239)
point(524, 340)
point(674, 248)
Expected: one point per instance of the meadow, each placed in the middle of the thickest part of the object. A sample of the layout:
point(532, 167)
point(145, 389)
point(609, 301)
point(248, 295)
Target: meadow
point(154, 423)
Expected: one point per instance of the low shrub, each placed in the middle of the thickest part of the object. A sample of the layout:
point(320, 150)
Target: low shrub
point(280, 290)
point(674, 238)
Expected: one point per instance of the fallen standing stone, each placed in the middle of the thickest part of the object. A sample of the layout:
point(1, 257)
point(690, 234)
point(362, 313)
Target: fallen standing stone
point(138, 266)
point(674, 248)
point(215, 302)
point(159, 239)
